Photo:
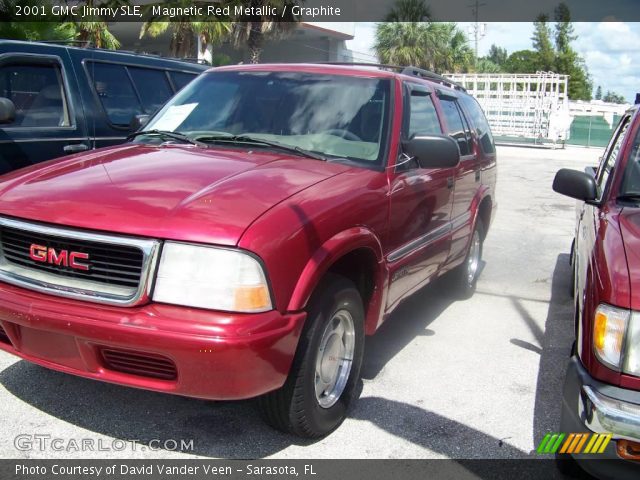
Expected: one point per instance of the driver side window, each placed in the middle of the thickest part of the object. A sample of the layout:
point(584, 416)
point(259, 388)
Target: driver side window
point(609, 159)
point(423, 118)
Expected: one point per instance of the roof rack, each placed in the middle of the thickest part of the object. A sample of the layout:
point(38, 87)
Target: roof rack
point(67, 42)
point(419, 72)
point(87, 44)
point(411, 71)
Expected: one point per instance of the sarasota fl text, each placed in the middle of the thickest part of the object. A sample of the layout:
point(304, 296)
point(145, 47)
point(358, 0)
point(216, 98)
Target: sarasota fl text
point(160, 469)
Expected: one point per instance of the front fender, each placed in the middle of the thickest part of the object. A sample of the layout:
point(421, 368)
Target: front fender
point(330, 252)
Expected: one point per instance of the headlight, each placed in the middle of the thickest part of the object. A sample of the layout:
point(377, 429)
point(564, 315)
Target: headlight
point(609, 328)
point(632, 354)
point(213, 278)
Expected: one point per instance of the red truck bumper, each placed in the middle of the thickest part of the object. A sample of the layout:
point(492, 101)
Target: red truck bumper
point(184, 351)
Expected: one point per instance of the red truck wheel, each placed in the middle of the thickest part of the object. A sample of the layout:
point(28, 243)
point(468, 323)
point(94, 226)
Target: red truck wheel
point(326, 369)
point(466, 275)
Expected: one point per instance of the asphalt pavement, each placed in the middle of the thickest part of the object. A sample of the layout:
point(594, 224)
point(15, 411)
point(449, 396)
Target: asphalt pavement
point(443, 378)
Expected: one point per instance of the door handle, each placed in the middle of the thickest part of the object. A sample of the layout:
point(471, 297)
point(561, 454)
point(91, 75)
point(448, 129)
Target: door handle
point(75, 148)
point(450, 182)
point(477, 175)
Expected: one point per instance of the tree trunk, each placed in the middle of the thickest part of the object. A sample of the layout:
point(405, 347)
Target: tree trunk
point(255, 43)
point(254, 54)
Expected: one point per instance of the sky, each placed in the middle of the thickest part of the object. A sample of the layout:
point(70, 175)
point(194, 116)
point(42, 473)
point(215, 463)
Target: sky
point(610, 49)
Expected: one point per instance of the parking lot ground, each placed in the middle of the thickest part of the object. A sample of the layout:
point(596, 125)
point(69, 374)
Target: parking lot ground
point(443, 378)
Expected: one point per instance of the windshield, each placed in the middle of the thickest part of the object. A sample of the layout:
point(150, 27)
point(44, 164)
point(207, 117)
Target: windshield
point(334, 116)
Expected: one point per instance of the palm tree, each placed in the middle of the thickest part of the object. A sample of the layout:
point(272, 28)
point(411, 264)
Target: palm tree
point(95, 32)
point(12, 27)
point(409, 11)
point(456, 56)
point(434, 46)
point(184, 31)
point(406, 43)
point(253, 30)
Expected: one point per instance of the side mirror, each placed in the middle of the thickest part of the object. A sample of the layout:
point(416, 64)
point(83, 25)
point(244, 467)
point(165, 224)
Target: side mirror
point(7, 110)
point(433, 151)
point(138, 121)
point(576, 184)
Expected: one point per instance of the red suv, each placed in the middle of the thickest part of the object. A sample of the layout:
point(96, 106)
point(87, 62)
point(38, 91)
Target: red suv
point(602, 387)
point(245, 242)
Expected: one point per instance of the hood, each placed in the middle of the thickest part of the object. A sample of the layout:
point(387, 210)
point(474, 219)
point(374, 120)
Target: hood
point(168, 192)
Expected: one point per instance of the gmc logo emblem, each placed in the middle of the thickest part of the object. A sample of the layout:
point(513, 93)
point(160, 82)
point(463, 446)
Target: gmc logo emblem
point(62, 258)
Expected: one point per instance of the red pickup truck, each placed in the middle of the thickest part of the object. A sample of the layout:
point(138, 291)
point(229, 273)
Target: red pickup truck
point(249, 237)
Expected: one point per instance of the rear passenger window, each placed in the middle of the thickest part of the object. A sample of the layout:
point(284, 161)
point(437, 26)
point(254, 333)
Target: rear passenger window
point(116, 93)
point(181, 79)
point(423, 119)
point(479, 123)
point(38, 94)
point(153, 87)
point(458, 128)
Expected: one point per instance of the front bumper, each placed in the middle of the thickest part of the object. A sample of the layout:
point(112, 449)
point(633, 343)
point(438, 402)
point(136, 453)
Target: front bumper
point(216, 355)
point(590, 406)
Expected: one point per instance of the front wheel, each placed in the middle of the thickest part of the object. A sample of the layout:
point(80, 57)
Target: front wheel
point(323, 378)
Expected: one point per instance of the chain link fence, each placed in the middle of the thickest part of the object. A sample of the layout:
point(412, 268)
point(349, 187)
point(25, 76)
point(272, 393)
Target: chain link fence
point(591, 131)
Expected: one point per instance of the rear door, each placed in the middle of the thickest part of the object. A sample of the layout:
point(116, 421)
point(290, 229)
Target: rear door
point(420, 204)
point(467, 175)
point(115, 90)
point(49, 122)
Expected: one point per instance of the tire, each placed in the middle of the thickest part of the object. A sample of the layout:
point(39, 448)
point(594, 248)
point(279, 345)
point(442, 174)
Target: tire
point(572, 262)
point(465, 276)
point(322, 382)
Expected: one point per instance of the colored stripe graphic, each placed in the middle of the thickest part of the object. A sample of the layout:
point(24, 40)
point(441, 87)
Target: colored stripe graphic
point(574, 443)
point(600, 443)
point(550, 443)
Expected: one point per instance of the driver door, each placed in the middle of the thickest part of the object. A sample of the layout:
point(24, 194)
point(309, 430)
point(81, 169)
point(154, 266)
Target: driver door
point(420, 205)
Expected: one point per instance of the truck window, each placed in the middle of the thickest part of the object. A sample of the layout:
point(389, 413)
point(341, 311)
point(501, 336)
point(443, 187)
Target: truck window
point(609, 159)
point(153, 87)
point(479, 122)
point(115, 91)
point(458, 128)
point(180, 79)
point(38, 94)
point(423, 118)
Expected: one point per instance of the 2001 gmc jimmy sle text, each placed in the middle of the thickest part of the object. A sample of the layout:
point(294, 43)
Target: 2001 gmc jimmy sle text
point(243, 244)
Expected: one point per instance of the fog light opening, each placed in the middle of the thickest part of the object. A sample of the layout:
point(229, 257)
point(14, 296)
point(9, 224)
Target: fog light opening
point(628, 450)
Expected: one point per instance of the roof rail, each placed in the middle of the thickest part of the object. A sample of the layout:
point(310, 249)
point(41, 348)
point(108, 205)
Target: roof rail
point(67, 42)
point(420, 72)
point(87, 44)
point(381, 66)
point(411, 71)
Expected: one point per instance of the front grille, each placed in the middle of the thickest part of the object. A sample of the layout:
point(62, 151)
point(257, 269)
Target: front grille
point(97, 267)
point(139, 363)
point(109, 264)
point(4, 338)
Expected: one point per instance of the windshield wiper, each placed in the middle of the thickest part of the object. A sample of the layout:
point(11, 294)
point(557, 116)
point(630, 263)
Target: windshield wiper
point(248, 139)
point(169, 134)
